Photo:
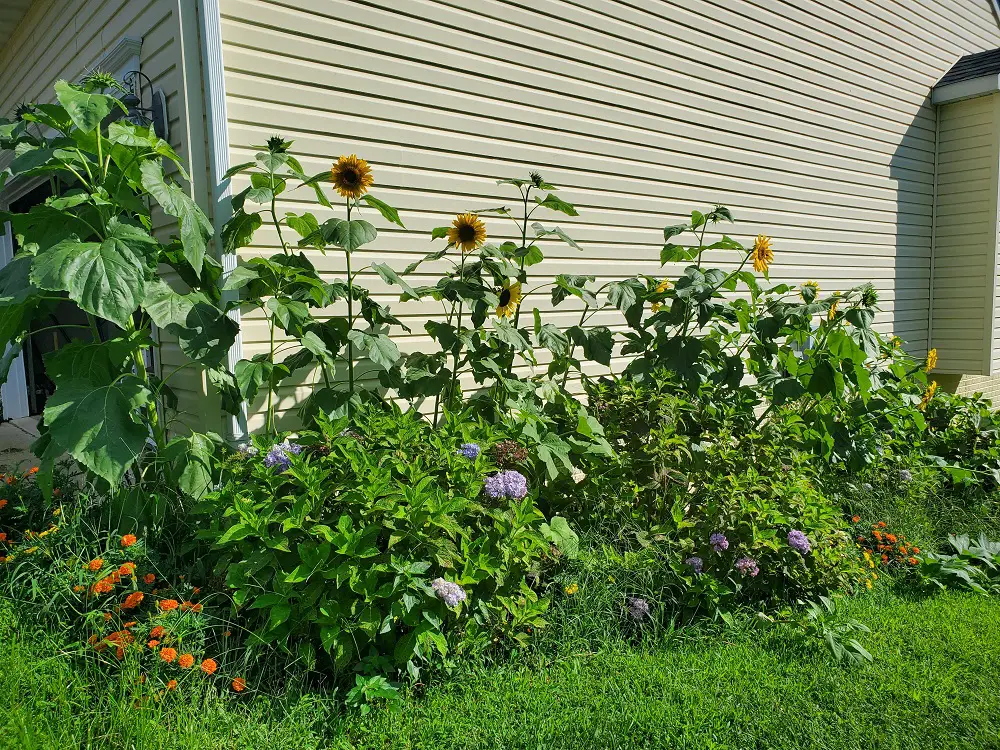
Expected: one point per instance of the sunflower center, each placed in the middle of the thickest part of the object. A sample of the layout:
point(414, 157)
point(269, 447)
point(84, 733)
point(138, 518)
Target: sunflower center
point(350, 177)
point(466, 233)
point(505, 298)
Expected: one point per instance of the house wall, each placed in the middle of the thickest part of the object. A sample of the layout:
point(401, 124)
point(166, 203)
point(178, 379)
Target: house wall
point(965, 235)
point(64, 40)
point(809, 119)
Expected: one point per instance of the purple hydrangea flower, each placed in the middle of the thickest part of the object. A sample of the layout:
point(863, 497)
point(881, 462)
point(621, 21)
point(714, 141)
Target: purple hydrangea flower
point(719, 542)
point(450, 593)
point(248, 449)
point(747, 566)
point(637, 608)
point(905, 475)
point(470, 451)
point(507, 484)
point(696, 563)
point(799, 541)
point(278, 455)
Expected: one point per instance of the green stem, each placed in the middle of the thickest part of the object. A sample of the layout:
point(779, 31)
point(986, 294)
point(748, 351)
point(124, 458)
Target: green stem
point(152, 410)
point(350, 318)
point(458, 345)
point(572, 349)
point(270, 391)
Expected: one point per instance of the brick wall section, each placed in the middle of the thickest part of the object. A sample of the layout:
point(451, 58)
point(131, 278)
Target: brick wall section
point(967, 385)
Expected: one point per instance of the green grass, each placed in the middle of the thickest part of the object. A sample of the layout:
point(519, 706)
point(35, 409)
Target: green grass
point(933, 685)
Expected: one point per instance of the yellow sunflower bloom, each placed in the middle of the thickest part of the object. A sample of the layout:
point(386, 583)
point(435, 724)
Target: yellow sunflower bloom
point(762, 253)
point(467, 232)
point(931, 360)
point(351, 176)
point(928, 395)
point(510, 298)
point(813, 288)
point(833, 307)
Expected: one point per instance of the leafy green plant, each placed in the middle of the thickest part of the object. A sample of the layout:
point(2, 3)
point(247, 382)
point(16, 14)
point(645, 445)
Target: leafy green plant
point(823, 620)
point(91, 243)
point(974, 565)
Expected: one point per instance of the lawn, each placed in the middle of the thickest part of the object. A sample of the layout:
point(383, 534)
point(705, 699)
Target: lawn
point(932, 685)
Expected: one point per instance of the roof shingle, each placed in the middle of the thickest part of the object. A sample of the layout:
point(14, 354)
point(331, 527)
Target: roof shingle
point(973, 66)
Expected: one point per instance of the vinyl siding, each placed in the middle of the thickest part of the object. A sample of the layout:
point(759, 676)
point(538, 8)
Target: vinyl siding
point(810, 120)
point(964, 280)
point(58, 40)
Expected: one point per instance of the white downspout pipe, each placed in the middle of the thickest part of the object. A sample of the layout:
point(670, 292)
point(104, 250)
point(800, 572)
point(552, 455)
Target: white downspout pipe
point(218, 158)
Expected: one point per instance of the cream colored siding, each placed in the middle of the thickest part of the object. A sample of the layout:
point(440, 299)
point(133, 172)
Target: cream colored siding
point(965, 235)
point(58, 39)
point(811, 120)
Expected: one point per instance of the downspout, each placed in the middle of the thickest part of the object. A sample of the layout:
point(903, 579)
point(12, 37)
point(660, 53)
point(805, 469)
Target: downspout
point(216, 117)
point(934, 211)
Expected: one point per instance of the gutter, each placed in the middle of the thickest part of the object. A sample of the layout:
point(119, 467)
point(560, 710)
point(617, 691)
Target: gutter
point(216, 117)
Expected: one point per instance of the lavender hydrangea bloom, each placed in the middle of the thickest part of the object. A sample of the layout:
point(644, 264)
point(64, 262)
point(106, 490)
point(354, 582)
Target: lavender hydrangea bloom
point(278, 455)
point(248, 449)
point(905, 475)
point(470, 451)
point(450, 593)
point(747, 566)
point(799, 541)
point(696, 563)
point(507, 484)
point(719, 542)
point(637, 608)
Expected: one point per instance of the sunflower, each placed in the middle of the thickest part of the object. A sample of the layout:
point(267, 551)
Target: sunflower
point(928, 395)
point(931, 360)
point(762, 253)
point(510, 298)
point(833, 308)
point(351, 176)
point(467, 232)
point(809, 291)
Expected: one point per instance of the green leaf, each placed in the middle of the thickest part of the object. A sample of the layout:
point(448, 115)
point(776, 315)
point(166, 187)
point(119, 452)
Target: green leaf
point(18, 297)
point(508, 334)
point(541, 231)
point(390, 276)
point(387, 211)
point(553, 339)
point(250, 375)
point(559, 533)
point(598, 343)
point(350, 235)
point(380, 348)
point(192, 457)
point(107, 279)
point(195, 228)
point(235, 170)
point(555, 203)
point(239, 230)
point(204, 332)
point(85, 110)
point(94, 423)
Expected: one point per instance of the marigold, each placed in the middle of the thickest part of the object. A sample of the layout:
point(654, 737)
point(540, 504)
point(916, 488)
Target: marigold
point(128, 540)
point(119, 653)
point(57, 512)
point(855, 519)
point(572, 589)
point(78, 589)
point(103, 587)
point(166, 605)
point(351, 176)
point(239, 684)
point(227, 633)
point(916, 550)
point(92, 640)
point(3, 504)
point(3, 536)
point(149, 578)
point(95, 565)
point(467, 232)
point(171, 684)
point(168, 654)
point(185, 661)
point(158, 631)
point(153, 643)
point(881, 524)
point(133, 600)
point(209, 666)
point(196, 607)
point(31, 550)
point(127, 569)
point(885, 558)
point(33, 470)
point(891, 538)
point(912, 561)
point(762, 253)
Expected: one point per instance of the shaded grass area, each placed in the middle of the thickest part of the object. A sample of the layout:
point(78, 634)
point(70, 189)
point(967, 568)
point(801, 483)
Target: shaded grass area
point(933, 685)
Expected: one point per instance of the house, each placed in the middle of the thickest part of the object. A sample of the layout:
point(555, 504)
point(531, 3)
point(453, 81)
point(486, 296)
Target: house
point(864, 137)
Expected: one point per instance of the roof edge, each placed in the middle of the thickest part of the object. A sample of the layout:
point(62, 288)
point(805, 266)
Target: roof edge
point(956, 92)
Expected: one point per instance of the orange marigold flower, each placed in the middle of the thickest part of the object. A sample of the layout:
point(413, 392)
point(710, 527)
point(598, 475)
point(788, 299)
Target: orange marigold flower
point(127, 569)
point(168, 654)
point(186, 605)
point(78, 589)
point(885, 558)
point(166, 605)
point(185, 661)
point(149, 578)
point(209, 666)
point(172, 685)
point(3, 504)
point(892, 538)
point(861, 538)
point(239, 684)
point(916, 550)
point(133, 600)
point(107, 616)
point(120, 653)
point(153, 643)
point(881, 524)
point(130, 624)
point(196, 607)
point(158, 631)
point(128, 540)
point(227, 633)
point(912, 561)
point(95, 565)
point(92, 640)
point(33, 470)
point(855, 519)
point(197, 590)
point(877, 535)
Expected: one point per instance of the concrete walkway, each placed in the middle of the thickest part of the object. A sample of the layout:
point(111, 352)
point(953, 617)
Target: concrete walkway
point(16, 437)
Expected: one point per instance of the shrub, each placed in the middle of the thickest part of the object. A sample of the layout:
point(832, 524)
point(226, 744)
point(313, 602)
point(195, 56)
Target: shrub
point(380, 541)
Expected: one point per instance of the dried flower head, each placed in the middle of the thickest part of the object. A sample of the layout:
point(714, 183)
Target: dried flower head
point(747, 566)
point(695, 563)
point(351, 177)
point(507, 454)
point(450, 593)
point(637, 608)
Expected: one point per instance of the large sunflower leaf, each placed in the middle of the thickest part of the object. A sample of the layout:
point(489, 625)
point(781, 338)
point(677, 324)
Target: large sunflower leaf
point(94, 423)
point(108, 278)
point(85, 110)
point(380, 348)
point(195, 228)
point(349, 235)
point(18, 297)
point(204, 332)
point(192, 458)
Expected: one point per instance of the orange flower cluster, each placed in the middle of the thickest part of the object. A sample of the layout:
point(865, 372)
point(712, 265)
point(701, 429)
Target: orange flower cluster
point(133, 600)
point(128, 540)
point(190, 606)
point(885, 547)
point(167, 605)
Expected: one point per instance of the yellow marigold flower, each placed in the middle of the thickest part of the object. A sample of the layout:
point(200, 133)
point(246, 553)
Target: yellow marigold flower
point(762, 253)
point(467, 232)
point(928, 395)
point(57, 511)
point(931, 360)
point(351, 176)
point(868, 585)
point(572, 589)
point(31, 550)
point(510, 298)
